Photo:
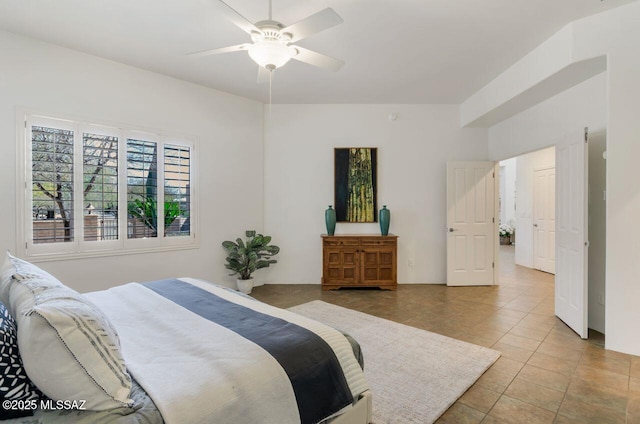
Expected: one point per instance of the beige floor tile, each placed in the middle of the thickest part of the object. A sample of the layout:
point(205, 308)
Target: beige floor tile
point(602, 377)
point(507, 366)
point(531, 333)
point(563, 339)
point(480, 398)
point(594, 393)
point(607, 363)
point(493, 420)
point(559, 351)
point(512, 313)
point(552, 363)
point(461, 414)
point(511, 410)
point(495, 380)
point(479, 339)
point(633, 407)
point(635, 368)
point(545, 378)
point(587, 413)
point(542, 326)
point(513, 352)
point(521, 342)
point(534, 394)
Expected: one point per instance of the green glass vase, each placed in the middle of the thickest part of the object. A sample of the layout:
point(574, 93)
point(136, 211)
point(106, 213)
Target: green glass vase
point(385, 219)
point(330, 220)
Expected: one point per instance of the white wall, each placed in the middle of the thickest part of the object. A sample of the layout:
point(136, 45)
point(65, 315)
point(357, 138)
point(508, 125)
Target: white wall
point(412, 155)
point(228, 130)
point(623, 200)
point(508, 191)
point(546, 123)
point(597, 230)
point(526, 166)
point(538, 65)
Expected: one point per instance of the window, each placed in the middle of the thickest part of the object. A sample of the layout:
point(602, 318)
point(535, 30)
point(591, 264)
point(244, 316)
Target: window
point(96, 190)
point(142, 189)
point(100, 186)
point(52, 178)
point(177, 190)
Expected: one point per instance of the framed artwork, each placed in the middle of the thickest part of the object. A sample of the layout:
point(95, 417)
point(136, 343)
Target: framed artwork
point(355, 182)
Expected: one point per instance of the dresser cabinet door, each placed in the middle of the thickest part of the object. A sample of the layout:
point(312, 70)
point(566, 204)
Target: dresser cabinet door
point(377, 266)
point(341, 265)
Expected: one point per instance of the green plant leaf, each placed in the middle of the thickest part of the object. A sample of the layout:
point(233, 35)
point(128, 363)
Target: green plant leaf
point(273, 250)
point(229, 245)
point(257, 241)
point(250, 233)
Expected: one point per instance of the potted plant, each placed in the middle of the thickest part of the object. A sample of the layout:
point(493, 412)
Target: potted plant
point(245, 257)
point(506, 231)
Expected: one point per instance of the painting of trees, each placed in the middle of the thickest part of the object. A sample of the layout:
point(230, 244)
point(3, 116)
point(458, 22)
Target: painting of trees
point(355, 184)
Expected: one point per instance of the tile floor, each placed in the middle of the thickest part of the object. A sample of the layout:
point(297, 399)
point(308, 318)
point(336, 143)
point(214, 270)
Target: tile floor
point(546, 374)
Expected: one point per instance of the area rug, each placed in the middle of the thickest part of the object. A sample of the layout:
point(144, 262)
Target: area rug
point(415, 375)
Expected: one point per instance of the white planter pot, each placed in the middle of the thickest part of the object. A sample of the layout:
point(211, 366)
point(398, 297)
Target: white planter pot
point(245, 286)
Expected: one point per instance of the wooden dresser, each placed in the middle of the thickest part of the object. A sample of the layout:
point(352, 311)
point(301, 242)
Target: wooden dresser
point(359, 260)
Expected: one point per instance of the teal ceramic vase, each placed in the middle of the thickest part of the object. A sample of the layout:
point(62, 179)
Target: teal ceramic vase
point(385, 220)
point(330, 220)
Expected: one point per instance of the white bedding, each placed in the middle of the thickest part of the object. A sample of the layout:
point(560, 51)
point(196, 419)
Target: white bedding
point(197, 371)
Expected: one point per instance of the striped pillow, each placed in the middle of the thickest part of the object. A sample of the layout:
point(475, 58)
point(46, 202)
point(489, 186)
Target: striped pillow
point(70, 349)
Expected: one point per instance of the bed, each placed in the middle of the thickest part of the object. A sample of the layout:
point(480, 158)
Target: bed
point(174, 351)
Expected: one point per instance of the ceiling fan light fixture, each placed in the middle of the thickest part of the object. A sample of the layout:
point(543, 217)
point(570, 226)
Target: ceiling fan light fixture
point(271, 54)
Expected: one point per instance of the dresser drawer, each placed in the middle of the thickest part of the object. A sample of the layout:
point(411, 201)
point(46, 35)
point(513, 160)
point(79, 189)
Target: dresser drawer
point(378, 242)
point(341, 242)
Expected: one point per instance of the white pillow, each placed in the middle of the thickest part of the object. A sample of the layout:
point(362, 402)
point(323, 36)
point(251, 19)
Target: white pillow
point(69, 348)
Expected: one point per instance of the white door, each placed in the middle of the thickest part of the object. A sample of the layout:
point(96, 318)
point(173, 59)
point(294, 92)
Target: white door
point(571, 231)
point(544, 220)
point(471, 228)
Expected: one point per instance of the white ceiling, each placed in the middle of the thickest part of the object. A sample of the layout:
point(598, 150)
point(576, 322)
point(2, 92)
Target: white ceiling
point(396, 51)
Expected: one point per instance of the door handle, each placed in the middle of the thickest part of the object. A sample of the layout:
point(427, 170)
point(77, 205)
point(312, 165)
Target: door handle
point(451, 230)
point(535, 225)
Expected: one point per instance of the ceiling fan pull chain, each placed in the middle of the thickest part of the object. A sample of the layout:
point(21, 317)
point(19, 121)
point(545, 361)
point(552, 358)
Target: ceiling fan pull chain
point(270, 103)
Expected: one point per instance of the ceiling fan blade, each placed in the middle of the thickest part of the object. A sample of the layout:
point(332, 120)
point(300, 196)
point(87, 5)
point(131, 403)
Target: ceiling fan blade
point(313, 24)
point(231, 14)
point(264, 75)
point(317, 59)
point(230, 49)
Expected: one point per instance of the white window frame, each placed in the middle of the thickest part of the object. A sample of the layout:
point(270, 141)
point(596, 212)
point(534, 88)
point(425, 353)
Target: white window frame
point(79, 247)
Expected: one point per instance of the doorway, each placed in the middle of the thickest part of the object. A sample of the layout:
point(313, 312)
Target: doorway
point(527, 201)
point(535, 219)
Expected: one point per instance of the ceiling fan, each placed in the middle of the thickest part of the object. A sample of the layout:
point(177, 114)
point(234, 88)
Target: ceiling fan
point(271, 48)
